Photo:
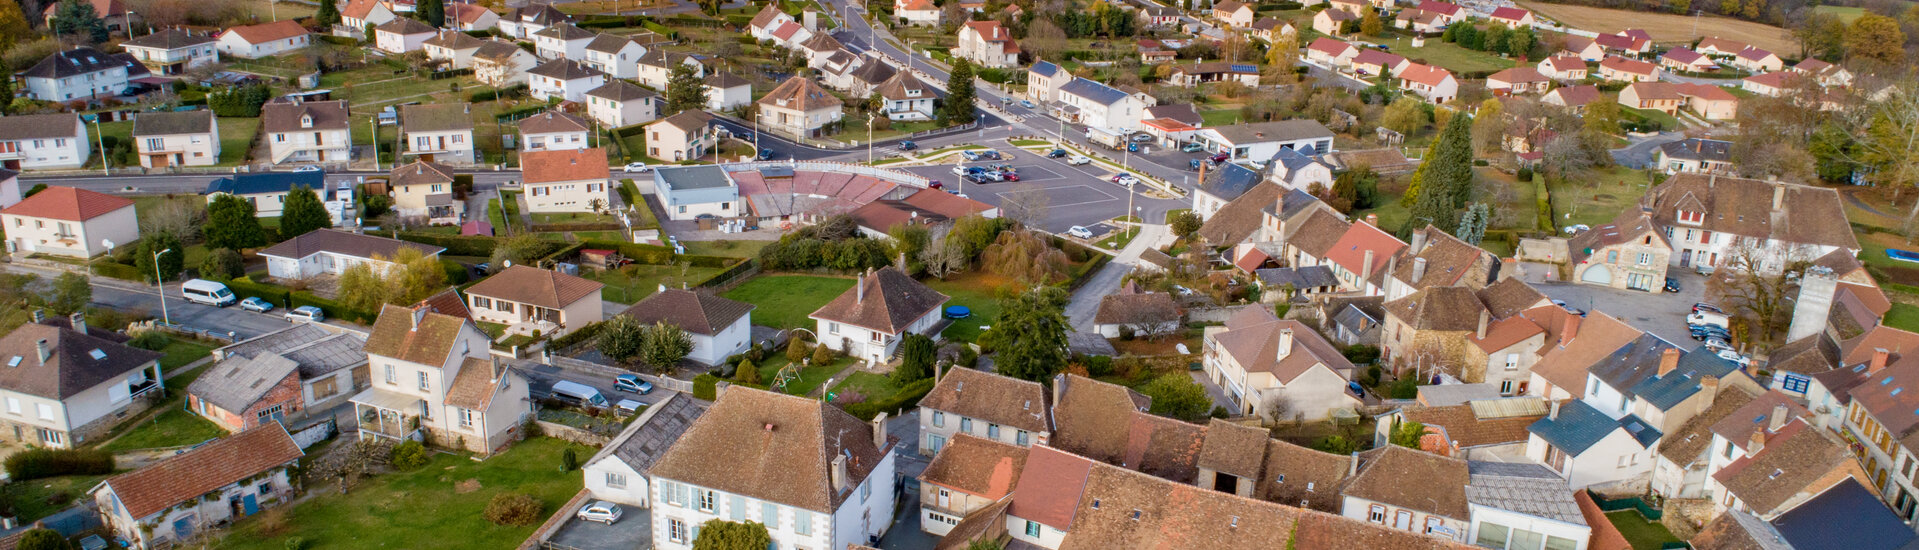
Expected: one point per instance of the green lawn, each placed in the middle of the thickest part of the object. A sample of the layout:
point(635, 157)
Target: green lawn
point(869, 385)
point(785, 301)
point(1597, 200)
point(810, 377)
point(572, 217)
point(236, 134)
point(1665, 121)
point(173, 426)
point(180, 353)
point(510, 200)
point(977, 291)
point(1642, 534)
point(500, 228)
point(39, 498)
point(1903, 316)
point(633, 283)
point(1844, 14)
point(434, 507)
point(736, 249)
point(1119, 239)
point(1221, 117)
point(1448, 56)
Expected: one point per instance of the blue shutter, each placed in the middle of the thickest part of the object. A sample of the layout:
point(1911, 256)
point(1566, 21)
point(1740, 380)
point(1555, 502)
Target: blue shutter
point(738, 507)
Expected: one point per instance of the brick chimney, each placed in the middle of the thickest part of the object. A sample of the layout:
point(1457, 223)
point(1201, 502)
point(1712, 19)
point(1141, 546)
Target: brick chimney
point(1668, 360)
point(45, 352)
point(1778, 420)
point(1485, 318)
point(79, 321)
point(1879, 358)
point(1569, 330)
point(1756, 443)
point(1419, 269)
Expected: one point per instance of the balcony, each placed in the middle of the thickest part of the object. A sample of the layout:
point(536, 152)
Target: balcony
point(388, 415)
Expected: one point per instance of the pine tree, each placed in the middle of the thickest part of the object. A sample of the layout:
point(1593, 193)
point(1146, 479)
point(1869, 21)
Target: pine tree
point(14, 28)
point(1444, 180)
point(6, 87)
point(303, 213)
point(232, 223)
point(959, 95)
point(328, 14)
point(433, 12)
point(684, 90)
point(1472, 224)
point(77, 18)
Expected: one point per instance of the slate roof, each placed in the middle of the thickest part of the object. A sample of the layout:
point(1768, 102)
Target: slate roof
point(67, 203)
point(695, 312)
point(1847, 516)
point(1525, 488)
point(532, 285)
point(1300, 277)
point(977, 466)
point(267, 182)
point(237, 382)
point(1665, 392)
point(71, 366)
point(171, 39)
point(565, 31)
point(1412, 479)
point(1579, 426)
point(1698, 149)
point(1241, 216)
point(1744, 207)
point(1043, 68)
point(205, 469)
point(345, 243)
point(1093, 91)
point(648, 437)
point(778, 448)
point(891, 302)
point(1230, 181)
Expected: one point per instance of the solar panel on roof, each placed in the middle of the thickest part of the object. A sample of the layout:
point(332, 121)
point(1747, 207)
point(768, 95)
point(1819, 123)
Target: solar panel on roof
point(1246, 68)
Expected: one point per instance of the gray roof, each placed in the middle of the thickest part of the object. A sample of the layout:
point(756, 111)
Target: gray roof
point(608, 43)
point(167, 123)
point(1292, 202)
point(237, 382)
point(565, 31)
point(1579, 426)
point(345, 244)
point(1666, 391)
point(621, 90)
point(169, 39)
point(1529, 489)
point(1293, 159)
point(1354, 319)
point(1299, 277)
point(1044, 68)
point(680, 178)
point(1698, 149)
point(1278, 130)
point(405, 26)
point(563, 69)
point(1632, 363)
point(648, 437)
point(77, 61)
point(1230, 181)
point(1101, 93)
point(1845, 516)
point(1447, 395)
point(57, 125)
point(318, 351)
point(75, 362)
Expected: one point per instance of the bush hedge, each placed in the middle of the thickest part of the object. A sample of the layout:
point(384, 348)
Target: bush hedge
point(908, 396)
point(490, 94)
point(569, 227)
point(119, 271)
point(577, 336)
point(706, 386)
point(518, 509)
point(660, 255)
point(39, 463)
point(455, 245)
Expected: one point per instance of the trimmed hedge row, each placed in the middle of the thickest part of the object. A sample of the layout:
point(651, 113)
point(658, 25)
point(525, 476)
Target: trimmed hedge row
point(39, 463)
point(908, 396)
point(706, 386)
point(660, 255)
point(578, 336)
point(119, 271)
point(490, 94)
point(587, 226)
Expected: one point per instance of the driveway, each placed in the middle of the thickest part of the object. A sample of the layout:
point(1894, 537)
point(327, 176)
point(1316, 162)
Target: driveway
point(1085, 301)
point(634, 531)
point(1639, 152)
point(1662, 314)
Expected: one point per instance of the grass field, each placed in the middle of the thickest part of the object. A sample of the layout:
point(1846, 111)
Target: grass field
point(1666, 27)
point(1597, 200)
point(1641, 534)
point(977, 290)
point(635, 282)
point(1449, 56)
point(1845, 14)
point(785, 301)
point(39, 498)
point(810, 377)
point(433, 507)
point(870, 386)
point(236, 134)
point(736, 249)
point(173, 425)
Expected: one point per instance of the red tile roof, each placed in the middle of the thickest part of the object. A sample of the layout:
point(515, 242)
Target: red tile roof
point(1330, 46)
point(1425, 74)
point(67, 203)
point(1050, 486)
point(1445, 8)
point(1510, 13)
point(1350, 251)
point(1622, 64)
point(188, 475)
point(268, 32)
point(568, 165)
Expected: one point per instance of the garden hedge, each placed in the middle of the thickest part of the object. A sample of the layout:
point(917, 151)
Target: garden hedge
point(39, 463)
point(455, 245)
point(119, 271)
point(705, 386)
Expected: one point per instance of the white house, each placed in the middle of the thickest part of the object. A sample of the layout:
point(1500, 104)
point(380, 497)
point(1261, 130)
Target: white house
point(172, 501)
point(1433, 83)
point(719, 327)
point(1100, 106)
point(1259, 141)
point(1588, 447)
point(357, 14)
point(425, 189)
point(727, 91)
point(1710, 220)
point(620, 472)
point(814, 475)
point(799, 107)
point(433, 380)
point(263, 40)
point(1407, 489)
point(1263, 361)
point(553, 131)
point(998, 408)
point(528, 299)
point(688, 192)
point(1515, 504)
point(455, 48)
point(656, 67)
point(43, 142)
point(684, 136)
point(9, 187)
point(501, 64)
point(906, 97)
point(438, 132)
point(69, 385)
point(614, 55)
point(266, 191)
point(562, 41)
point(64, 221)
point(871, 331)
point(332, 251)
point(315, 131)
point(402, 35)
point(987, 44)
point(564, 79)
point(79, 73)
point(572, 180)
point(469, 16)
point(523, 22)
point(1295, 169)
point(174, 51)
point(619, 104)
point(187, 138)
point(978, 475)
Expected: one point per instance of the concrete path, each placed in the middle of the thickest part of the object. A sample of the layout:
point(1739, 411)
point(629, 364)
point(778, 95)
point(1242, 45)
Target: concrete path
point(1085, 302)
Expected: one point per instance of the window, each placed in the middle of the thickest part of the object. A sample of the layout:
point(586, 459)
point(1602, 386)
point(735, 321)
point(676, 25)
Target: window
point(939, 419)
point(1019, 438)
point(831, 328)
point(269, 412)
point(45, 410)
point(1645, 258)
point(770, 515)
point(1512, 361)
point(676, 530)
point(1612, 256)
point(992, 431)
point(391, 379)
point(266, 488)
point(1376, 514)
point(707, 500)
point(866, 490)
point(154, 144)
point(966, 425)
point(1728, 450)
point(13, 405)
point(423, 381)
point(467, 416)
point(617, 481)
point(1032, 528)
point(1506, 387)
point(51, 437)
point(1492, 535)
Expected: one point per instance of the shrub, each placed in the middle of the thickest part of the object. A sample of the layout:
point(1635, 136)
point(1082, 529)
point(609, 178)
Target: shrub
point(746, 373)
point(1099, 365)
point(296, 543)
point(514, 509)
point(223, 264)
point(569, 460)
point(967, 357)
point(822, 354)
point(908, 396)
point(1360, 354)
point(39, 463)
point(796, 350)
point(151, 340)
point(409, 455)
point(706, 386)
point(41, 538)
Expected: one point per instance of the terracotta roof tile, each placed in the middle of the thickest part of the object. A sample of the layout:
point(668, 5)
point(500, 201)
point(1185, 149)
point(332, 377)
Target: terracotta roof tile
point(885, 300)
point(1050, 487)
point(268, 32)
point(1003, 400)
point(693, 311)
point(564, 165)
point(1091, 416)
point(153, 489)
point(1411, 479)
point(415, 336)
point(1745, 207)
point(977, 466)
point(800, 93)
point(1303, 477)
point(774, 447)
point(532, 285)
point(67, 203)
point(1467, 429)
point(1794, 464)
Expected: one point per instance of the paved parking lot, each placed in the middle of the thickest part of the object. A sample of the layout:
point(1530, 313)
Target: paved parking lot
point(1663, 314)
point(634, 531)
point(1077, 195)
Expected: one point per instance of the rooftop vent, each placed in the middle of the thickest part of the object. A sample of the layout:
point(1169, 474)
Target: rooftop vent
point(97, 355)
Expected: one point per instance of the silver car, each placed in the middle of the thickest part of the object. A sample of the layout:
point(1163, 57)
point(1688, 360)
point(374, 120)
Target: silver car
point(600, 511)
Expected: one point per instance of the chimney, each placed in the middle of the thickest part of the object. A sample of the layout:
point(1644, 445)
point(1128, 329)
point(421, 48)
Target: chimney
point(1553, 413)
point(1366, 269)
point(1419, 269)
point(39, 315)
point(859, 292)
point(1392, 265)
point(1485, 318)
point(45, 352)
point(1372, 220)
point(1419, 241)
point(839, 472)
point(1668, 360)
point(1709, 385)
point(498, 371)
point(901, 264)
point(1779, 413)
point(1756, 443)
point(1569, 330)
point(879, 431)
point(1285, 343)
point(1352, 465)
point(1879, 357)
point(1778, 197)
point(79, 321)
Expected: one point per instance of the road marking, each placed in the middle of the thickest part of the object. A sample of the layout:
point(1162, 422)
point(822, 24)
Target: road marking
point(1049, 192)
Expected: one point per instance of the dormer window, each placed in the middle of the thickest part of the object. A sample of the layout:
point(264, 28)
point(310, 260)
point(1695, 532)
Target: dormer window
point(306, 121)
point(1692, 218)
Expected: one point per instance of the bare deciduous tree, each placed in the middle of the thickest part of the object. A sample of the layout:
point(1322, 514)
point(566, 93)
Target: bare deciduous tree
point(180, 219)
point(1760, 289)
point(1025, 204)
point(347, 465)
point(943, 258)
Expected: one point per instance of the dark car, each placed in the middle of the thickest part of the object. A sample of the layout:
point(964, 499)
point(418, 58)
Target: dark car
point(1194, 164)
point(933, 184)
point(1056, 154)
point(1702, 306)
point(1672, 285)
point(1010, 176)
point(977, 179)
point(908, 145)
point(1221, 157)
point(766, 154)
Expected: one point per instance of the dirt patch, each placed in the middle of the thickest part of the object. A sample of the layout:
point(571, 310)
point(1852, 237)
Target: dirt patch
point(1666, 27)
point(467, 486)
point(1604, 197)
point(1902, 275)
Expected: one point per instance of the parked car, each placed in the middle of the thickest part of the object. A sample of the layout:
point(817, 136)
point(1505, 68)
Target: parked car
point(933, 184)
point(637, 167)
point(632, 383)
point(254, 303)
point(1735, 357)
point(1195, 164)
point(766, 154)
point(308, 314)
point(1142, 138)
point(961, 169)
point(601, 511)
point(1056, 153)
point(1026, 104)
point(1672, 285)
point(908, 145)
point(1704, 270)
point(1709, 332)
point(1080, 232)
point(976, 179)
point(1009, 176)
point(1125, 180)
point(1191, 148)
point(1221, 157)
point(1716, 345)
point(1709, 318)
point(1132, 147)
point(1702, 306)
point(1079, 160)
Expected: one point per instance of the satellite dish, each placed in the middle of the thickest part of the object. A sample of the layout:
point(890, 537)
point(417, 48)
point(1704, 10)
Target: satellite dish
point(107, 243)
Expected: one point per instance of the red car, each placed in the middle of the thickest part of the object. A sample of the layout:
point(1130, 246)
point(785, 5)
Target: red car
point(1221, 157)
point(1010, 176)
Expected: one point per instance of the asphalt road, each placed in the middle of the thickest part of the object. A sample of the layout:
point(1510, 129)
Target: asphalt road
point(1639, 153)
point(133, 297)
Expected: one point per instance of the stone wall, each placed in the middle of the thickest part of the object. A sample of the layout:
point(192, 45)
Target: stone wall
point(572, 434)
point(1685, 517)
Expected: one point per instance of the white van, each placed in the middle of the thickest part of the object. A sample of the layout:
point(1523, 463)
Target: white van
point(582, 393)
point(202, 291)
point(1708, 318)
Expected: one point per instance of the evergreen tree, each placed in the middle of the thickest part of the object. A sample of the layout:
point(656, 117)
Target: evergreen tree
point(433, 12)
point(684, 90)
point(170, 263)
point(1472, 224)
point(76, 18)
point(746, 373)
point(328, 14)
point(1444, 180)
point(232, 223)
point(1029, 335)
point(719, 534)
point(14, 28)
point(958, 108)
point(6, 86)
point(303, 213)
point(917, 354)
point(1369, 24)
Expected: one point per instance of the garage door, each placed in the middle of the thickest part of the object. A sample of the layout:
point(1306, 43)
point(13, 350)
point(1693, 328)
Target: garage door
point(1598, 274)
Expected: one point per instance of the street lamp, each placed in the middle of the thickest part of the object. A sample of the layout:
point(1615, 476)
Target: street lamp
point(100, 139)
point(160, 284)
point(869, 139)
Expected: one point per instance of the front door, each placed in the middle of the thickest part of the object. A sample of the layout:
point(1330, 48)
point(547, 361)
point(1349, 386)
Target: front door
point(1685, 258)
point(183, 527)
point(252, 504)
